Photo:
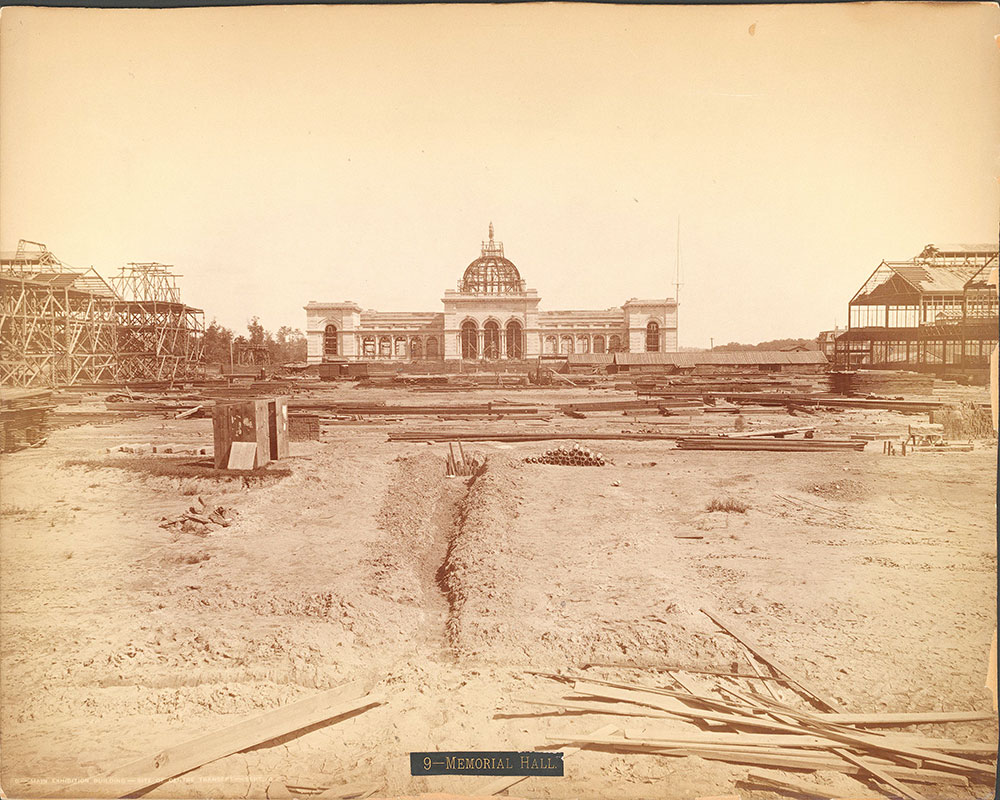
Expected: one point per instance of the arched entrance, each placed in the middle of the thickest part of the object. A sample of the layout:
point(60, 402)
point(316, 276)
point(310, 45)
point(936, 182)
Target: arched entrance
point(470, 339)
point(491, 340)
point(653, 337)
point(515, 339)
point(330, 340)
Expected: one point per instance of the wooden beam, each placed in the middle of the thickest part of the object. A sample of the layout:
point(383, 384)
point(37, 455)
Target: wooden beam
point(151, 770)
point(878, 772)
point(741, 636)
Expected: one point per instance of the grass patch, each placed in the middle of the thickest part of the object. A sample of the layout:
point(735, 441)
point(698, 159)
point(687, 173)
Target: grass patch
point(729, 505)
point(185, 468)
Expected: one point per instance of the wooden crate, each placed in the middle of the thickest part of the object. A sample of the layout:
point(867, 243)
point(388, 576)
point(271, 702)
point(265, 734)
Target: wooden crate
point(264, 421)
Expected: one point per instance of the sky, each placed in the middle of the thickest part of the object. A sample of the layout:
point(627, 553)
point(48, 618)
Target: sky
point(277, 155)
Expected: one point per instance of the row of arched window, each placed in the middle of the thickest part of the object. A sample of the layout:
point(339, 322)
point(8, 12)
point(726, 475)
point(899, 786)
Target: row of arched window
point(385, 346)
point(488, 343)
point(567, 344)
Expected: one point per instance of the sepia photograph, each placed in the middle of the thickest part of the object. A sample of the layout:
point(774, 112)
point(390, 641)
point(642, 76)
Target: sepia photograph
point(574, 401)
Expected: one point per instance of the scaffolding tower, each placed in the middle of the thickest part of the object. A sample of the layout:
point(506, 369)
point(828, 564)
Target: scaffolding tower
point(57, 325)
point(61, 326)
point(159, 337)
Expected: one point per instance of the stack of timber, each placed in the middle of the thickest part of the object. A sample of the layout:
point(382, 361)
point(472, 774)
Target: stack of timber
point(485, 435)
point(491, 409)
point(24, 418)
point(881, 382)
point(736, 721)
point(770, 442)
point(661, 406)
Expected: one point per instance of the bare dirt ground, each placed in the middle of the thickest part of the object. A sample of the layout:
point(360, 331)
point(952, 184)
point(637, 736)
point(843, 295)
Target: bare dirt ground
point(873, 575)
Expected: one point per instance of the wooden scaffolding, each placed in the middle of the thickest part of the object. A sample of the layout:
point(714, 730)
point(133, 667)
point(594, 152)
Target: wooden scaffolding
point(61, 326)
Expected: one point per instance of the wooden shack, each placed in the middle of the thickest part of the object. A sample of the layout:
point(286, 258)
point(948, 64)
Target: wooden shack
point(263, 421)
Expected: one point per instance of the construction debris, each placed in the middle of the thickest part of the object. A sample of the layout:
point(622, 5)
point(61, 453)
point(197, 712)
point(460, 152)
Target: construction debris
point(752, 728)
point(200, 520)
point(24, 418)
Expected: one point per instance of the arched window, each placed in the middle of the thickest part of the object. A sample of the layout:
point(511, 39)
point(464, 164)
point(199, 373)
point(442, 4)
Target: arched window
point(598, 344)
point(385, 347)
point(582, 344)
point(551, 345)
point(400, 347)
point(491, 340)
point(432, 347)
point(614, 343)
point(565, 345)
point(470, 339)
point(653, 337)
point(515, 339)
point(368, 346)
point(330, 340)
point(416, 348)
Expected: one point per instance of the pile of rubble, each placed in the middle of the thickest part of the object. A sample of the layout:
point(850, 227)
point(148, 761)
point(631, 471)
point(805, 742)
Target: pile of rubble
point(201, 521)
point(574, 456)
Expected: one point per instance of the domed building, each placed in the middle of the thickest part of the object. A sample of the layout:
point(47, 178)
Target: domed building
point(492, 315)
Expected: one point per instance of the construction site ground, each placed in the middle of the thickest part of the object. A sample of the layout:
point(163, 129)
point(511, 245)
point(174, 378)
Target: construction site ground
point(357, 558)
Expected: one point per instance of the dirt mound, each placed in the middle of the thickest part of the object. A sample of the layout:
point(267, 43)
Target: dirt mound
point(406, 520)
point(473, 578)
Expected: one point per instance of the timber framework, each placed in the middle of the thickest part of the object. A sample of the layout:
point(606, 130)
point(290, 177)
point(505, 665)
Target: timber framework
point(61, 326)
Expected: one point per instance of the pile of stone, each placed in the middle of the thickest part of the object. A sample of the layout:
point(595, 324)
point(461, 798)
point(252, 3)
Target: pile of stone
point(574, 456)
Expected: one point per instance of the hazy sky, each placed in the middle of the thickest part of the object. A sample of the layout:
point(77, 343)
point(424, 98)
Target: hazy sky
point(281, 155)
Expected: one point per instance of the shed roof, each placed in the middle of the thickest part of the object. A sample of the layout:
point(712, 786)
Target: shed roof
point(734, 357)
point(590, 358)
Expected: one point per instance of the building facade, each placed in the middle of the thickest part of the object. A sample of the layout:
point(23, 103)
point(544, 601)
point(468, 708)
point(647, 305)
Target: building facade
point(936, 312)
point(490, 315)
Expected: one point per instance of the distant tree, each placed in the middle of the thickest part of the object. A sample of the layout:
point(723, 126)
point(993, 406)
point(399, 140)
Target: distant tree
point(217, 342)
point(289, 346)
point(258, 335)
point(773, 344)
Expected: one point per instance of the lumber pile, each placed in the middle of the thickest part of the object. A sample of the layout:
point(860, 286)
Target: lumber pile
point(881, 382)
point(751, 443)
point(735, 721)
point(24, 418)
point(492, 409)
point(486, 435)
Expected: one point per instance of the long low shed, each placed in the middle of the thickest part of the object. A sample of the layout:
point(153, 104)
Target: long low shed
point(809, 361)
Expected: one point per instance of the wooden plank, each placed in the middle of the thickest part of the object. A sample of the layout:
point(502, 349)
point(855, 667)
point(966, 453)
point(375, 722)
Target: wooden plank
point(497, 785)
point(787, 785)
point(263, 435)
point(242, 455)
point(742, 636)
point(812, 762)
point(281, 406)
point(844, 736)
point(186, 756)
point(906, 718)
point(878, 772)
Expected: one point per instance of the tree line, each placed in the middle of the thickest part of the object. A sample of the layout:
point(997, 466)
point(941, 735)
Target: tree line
point(286, 345)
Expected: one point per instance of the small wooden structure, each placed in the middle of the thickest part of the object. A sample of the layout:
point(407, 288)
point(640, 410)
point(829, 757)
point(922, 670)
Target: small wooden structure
point(263, 421)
